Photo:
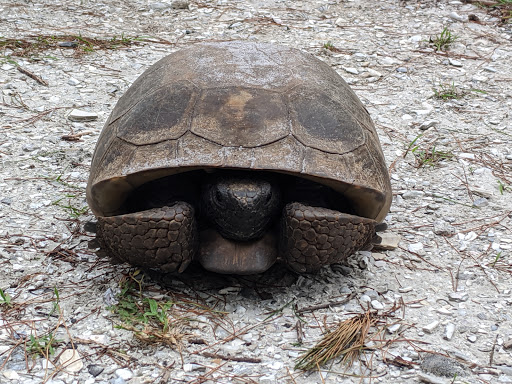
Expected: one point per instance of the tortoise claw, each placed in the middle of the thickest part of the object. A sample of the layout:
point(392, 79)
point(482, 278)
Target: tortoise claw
point(313, 237)
point(162, 238)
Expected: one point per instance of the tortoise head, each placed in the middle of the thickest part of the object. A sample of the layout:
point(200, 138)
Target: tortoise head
point(240, 207)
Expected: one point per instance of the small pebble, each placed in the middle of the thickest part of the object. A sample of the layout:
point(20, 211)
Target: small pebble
point(73, 81)
point(415, 247)
point(6, 201)
point(68, 44)
point(365, 298)
point(455, 16)
point(444, 311)
point(449, 330)
point(458, 297)
point(159, 6)
point(228, 290)
point(377, 304)
point(455, 63)
point(481, 192)
point(179, 4)
point(481, 202)
point(442, 228)
point(374, 73)
point(472, 338)
point(79, 115)
point(124, 373)
point(95, 369)
point(353, 71)
point(425, 378)
point(428, 124)
point(11, 374)
point(430, 327)
point(409, 195)
point(71, 361)
point(389, 241)
point(190, 367)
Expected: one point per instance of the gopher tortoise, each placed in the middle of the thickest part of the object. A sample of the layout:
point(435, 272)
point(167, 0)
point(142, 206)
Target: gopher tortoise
point(238, 155)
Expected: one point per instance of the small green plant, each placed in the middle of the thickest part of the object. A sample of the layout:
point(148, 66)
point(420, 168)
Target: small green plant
point(56, 302)
point(42, 345)
point(442, 41)
point(59, 180)
point(148, 319)
point(85, 44)
point(35, 45)
point(329, 46)
point(73, 211)
point(502, 187)
point(479, 91)
point(498, 255)
point(430, 156)
point(118, 41)
point(157, 313)
point(447, 91)
point(427, 155)
point(5, 298)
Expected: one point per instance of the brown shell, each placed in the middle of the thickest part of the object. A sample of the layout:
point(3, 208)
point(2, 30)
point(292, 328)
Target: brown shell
point(240, 105)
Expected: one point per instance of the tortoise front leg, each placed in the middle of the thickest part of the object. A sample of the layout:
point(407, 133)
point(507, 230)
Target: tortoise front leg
point(313, 237)
point(161, 238)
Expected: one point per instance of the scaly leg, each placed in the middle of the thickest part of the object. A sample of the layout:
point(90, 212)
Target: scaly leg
point(313, 237)
point(161, 238)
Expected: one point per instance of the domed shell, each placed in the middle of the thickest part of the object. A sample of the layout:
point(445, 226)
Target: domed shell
point(240, 105)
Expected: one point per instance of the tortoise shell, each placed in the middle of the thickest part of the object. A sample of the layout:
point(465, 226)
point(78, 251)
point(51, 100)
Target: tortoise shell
point(240, 105)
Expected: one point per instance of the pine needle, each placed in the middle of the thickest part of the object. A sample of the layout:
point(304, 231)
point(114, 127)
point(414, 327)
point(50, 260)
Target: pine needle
point(347, 339)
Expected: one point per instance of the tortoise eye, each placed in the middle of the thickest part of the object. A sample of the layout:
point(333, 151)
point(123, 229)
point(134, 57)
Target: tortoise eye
point(218, 196)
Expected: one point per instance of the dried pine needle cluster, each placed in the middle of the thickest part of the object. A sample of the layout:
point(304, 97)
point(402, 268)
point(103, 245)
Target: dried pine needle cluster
point(348, 339)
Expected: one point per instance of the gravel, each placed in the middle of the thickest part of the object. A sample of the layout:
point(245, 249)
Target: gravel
point(441, 276)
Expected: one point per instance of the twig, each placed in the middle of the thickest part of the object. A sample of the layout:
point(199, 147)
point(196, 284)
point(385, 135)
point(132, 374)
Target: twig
point(240, 359)
point(448, 54)
point(300, 333)
point(482, 2)
point(75, 136)
point(326, 305)
point(32, 75)
point(491, 358)
point(477, 263)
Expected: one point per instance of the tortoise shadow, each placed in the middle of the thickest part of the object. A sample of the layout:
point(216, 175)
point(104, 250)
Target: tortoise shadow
point(255, 287)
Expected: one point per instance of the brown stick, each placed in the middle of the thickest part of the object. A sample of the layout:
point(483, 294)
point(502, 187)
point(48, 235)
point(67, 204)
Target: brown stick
point(327, 305)
point(75, 136)
point(300, 333)
point(232, 358)
point(486, 3)
point(491, 358)
point(32, 75)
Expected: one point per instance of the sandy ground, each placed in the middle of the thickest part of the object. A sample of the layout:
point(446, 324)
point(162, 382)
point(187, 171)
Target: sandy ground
point(443, 117)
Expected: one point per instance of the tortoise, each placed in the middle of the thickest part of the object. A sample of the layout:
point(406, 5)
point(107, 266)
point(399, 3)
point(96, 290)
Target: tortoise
point(237, 155)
